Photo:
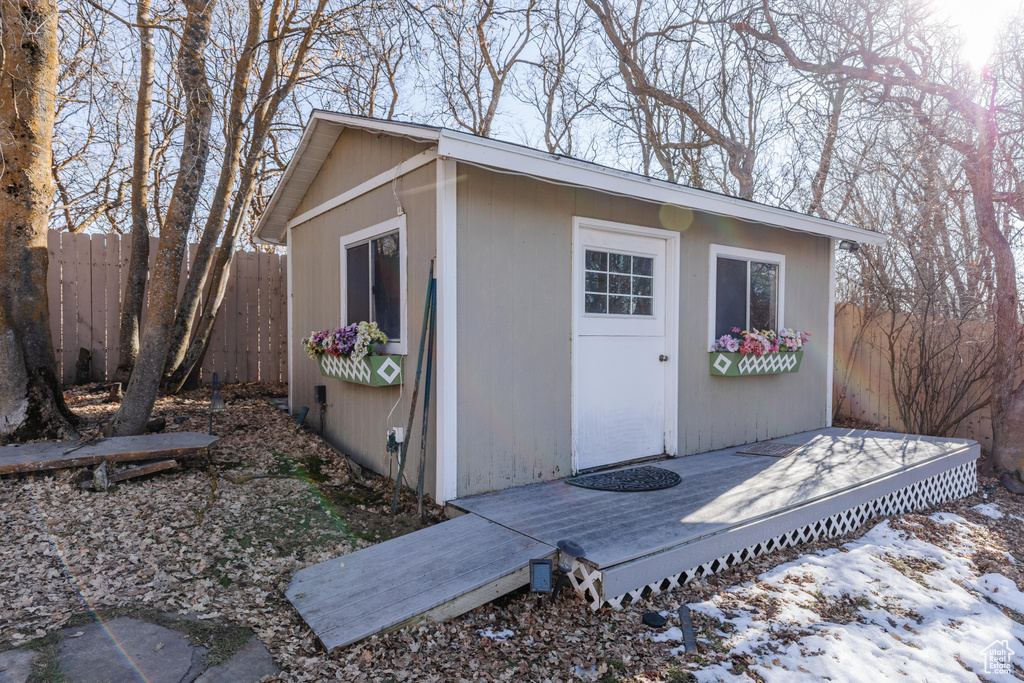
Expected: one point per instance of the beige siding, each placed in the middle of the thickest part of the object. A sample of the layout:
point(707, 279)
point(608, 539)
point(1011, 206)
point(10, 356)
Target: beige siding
point(356, 417)
point(515, 326)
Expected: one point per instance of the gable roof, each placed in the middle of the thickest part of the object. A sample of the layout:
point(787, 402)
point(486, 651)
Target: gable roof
point(324, 128)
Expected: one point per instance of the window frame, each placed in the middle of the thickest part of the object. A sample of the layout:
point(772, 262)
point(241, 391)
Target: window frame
point(364, 236)
point(653, 277)
point(748, 255)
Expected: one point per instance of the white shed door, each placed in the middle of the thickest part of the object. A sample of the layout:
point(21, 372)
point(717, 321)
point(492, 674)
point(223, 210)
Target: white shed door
point(621, 346)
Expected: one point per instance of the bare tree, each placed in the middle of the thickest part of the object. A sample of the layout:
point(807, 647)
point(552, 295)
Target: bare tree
point(561, 86)
point(688, 60)
point(892, 47)
point(374, 59)
point(477, 46)
point(138, 264)
point(233, 137)
point(90, 173)
point(138, 401)
point(31, 403)
point(290, 37)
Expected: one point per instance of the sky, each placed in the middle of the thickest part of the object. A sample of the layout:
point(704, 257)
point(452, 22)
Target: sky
point(980, 22)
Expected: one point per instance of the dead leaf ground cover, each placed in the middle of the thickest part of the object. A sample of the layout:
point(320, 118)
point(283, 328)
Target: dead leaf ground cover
point(193, 541)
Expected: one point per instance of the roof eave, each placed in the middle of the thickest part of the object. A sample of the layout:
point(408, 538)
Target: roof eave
point(569, 171)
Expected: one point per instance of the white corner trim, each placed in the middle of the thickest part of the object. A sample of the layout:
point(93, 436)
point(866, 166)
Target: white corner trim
point(446, 478)
point(365, 235)
point(290, 308)
point(407, 166)
point(831, 347)
point(743, 255)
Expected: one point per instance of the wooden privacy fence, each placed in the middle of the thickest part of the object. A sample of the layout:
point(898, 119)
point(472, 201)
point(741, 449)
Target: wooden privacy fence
point(862, 382)
point(86, 282)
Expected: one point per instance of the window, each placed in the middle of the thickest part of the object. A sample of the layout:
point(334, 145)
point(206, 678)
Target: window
point(373, 280)
point(746, 290)
point(618, 284)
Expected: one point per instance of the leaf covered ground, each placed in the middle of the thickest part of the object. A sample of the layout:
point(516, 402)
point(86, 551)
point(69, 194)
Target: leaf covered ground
point(220, 538)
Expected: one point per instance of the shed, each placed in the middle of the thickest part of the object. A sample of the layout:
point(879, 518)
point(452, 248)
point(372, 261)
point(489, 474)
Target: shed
point(577, 304)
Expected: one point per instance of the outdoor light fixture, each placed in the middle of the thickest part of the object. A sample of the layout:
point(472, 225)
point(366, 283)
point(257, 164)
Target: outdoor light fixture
point(216, 401)
point(568, 552)
point(849, 245)
point(541, 572)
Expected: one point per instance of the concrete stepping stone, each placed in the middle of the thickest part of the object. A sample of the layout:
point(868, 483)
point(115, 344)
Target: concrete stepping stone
point(123, 650)
point(16, 665)
point(248, 665)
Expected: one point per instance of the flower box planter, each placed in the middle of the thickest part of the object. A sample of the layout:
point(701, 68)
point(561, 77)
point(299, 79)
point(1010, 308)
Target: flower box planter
point(373, 371)
point(724, 364)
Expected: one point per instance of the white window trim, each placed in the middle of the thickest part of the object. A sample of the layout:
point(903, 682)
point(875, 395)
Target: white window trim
point(743, 255)
point(365, 235)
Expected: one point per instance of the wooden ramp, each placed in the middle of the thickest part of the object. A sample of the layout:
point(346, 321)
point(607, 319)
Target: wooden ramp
point(432, 574)
point(34, 457)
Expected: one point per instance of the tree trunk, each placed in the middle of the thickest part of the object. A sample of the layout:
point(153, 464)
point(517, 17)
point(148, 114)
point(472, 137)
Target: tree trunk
point(138, 265)
point(220, 271)
point(271, 94)
point(1007, 397)
point(163, 289)
point(215, 220)
point(31, 403)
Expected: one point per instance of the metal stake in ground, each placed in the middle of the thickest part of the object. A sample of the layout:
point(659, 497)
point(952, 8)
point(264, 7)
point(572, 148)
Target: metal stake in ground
point(426, 402)
point(415, 388)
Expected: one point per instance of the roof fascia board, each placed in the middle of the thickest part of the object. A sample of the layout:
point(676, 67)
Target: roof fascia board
point(405, 130)
point(391, 128)
point(407, 166)
point(570, 171)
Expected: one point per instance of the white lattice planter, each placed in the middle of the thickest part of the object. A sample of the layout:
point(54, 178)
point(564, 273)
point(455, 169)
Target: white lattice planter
point(373, 371)
point(956, 482)
point(725, 364)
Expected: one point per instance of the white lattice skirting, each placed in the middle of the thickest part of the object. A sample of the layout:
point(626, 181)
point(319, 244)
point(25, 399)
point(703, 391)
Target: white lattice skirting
point(772, 362)
point(354, 371)
point(956, 482)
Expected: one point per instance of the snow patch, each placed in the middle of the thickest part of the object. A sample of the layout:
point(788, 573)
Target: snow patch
point(1001, 590)
point(990, 510)
point(887, 607)
point(673, 634)
point(499, 636)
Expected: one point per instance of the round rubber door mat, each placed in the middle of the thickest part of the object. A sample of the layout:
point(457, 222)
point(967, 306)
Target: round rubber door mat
point(646, 478)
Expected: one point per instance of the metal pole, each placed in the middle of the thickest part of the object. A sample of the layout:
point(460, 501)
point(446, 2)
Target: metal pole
point(426, 406)
point(415, 390)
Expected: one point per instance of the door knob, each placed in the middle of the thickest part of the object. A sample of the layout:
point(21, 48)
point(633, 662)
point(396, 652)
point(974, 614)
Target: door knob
point(663, 358)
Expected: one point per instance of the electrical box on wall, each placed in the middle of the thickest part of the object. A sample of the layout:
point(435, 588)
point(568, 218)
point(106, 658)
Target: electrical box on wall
point(320, 391)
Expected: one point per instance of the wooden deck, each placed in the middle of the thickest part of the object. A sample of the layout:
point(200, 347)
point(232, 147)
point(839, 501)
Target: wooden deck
point(435, 573)
point(729, 508)
point(35, 457)
point(729, 503)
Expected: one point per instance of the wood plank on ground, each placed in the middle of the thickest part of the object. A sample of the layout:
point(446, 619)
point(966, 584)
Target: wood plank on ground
point(34, 457)
point(435, 573)
point(143, 470)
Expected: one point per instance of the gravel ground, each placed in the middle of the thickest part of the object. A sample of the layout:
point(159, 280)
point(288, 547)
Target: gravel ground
point(221, 538)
